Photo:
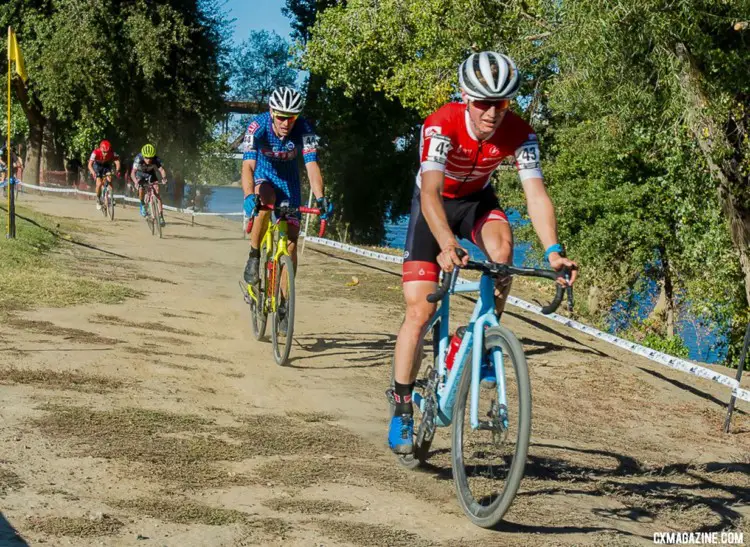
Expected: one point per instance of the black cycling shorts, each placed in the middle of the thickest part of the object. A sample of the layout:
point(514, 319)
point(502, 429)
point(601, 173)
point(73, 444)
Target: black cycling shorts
point(466, 215)
point(101, 169)
point(145, 178)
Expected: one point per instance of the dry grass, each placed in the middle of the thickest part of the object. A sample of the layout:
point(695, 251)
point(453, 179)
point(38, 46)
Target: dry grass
point(310, 507)
point(64, 380)
point(312, 417)
point(181, 511)
point(209, 358)
point(81, 527)
point(9, 481)
point(369, 535)
point(384, 475)
point(68, 496)
point(186, 450)
point(149, 326)
point(66, 333)
point(233, 374)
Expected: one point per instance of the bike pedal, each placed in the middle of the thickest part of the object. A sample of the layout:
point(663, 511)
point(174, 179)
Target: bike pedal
point(389, 395)
point(421, 383)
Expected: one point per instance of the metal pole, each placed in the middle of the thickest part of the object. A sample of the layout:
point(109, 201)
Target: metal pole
point(307, 221)
point(740, 368)
point(11, 233)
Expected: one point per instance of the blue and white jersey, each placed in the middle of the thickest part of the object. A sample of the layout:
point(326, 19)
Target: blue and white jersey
point(277, 158)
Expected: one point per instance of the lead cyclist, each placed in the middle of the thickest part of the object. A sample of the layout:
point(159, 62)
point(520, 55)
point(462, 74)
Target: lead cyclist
point(461, 145)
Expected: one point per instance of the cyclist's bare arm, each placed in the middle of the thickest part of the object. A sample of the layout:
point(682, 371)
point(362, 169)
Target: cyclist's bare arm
point(91, 168)
point(163, 173)
point(117, 165)
point(542, 214)
point(248, 176)
point(541, 211)
point(133, 177)
point(431, 200)
point(316, 178)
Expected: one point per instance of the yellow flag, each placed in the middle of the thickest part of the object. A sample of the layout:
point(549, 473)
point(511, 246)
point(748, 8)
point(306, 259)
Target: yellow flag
point(14, 54)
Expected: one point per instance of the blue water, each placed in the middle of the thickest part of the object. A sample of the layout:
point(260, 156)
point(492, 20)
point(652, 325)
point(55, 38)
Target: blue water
point(701, 342)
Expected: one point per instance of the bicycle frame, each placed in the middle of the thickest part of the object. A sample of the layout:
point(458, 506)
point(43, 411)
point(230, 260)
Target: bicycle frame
point(483, 316)
point(282, 248)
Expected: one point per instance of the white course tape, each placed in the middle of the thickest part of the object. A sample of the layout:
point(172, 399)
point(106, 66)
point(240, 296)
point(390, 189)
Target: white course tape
point(648, 353)
point(187, 211)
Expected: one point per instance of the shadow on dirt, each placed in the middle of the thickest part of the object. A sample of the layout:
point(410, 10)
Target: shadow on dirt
point(647, 493)
point(346, 349)
point(8, 534)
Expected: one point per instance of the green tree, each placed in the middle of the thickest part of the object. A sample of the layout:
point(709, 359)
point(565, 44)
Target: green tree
point(260, 64)
point(368, 146)
point(130, 70)
point(641, 107)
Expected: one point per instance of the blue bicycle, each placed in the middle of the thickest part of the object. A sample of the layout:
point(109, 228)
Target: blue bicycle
point(487, 471)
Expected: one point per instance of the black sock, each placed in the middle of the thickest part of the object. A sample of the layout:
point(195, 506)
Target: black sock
point(254, 253)
point(402, 396)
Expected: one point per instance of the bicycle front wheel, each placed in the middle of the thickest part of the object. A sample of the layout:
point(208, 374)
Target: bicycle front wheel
point(155, 216)
point(110, 203)
point(488, 462)
point(282, 323)
point(149, 215)
point(258, 309)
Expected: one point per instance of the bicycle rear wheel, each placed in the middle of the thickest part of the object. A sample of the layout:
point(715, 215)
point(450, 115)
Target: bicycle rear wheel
point(488, 463)
point(259, 310)
point(282, 322)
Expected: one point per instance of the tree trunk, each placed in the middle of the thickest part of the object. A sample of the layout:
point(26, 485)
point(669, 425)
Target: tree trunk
point(714, 144)
point(669, 299)
point(33, 110)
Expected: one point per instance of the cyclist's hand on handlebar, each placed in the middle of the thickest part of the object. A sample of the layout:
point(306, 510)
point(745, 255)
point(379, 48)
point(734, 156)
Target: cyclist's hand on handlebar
point(448, 257)
point(250, 204)
point(326, 207)
point(558, 263)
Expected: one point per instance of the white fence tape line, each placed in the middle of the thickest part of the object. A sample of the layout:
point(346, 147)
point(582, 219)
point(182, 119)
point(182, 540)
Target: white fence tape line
point(648, 353)
point(187, 211)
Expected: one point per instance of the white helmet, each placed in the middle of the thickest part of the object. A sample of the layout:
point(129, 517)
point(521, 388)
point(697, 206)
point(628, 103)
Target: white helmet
point(489, 76)
point(286, 99)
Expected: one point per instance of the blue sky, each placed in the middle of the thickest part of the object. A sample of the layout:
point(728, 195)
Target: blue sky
point(257, 15)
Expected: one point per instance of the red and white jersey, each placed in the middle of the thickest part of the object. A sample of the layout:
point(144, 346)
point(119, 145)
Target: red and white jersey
point(448, 144)
point(99, 157)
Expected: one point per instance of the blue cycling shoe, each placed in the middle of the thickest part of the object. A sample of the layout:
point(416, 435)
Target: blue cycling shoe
point(401, 434)
point(143, 210)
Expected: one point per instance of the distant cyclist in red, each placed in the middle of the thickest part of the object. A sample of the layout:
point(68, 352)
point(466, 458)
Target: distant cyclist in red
point(461, 146)
point(100, 163)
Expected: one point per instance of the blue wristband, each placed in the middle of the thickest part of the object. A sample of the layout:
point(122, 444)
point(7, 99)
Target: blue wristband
point(556, 248)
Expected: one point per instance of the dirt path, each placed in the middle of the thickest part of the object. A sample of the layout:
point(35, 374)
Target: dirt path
point(161, 422)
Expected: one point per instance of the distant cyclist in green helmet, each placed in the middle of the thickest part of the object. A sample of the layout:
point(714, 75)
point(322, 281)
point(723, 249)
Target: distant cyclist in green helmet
point(145, 166)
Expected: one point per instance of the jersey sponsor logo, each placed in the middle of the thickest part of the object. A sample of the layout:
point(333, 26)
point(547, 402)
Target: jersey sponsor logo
point(432, 130)
point(493, 150)
point(277, 154)
point(290, 145)
point(440, 145)
point(253, 127)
